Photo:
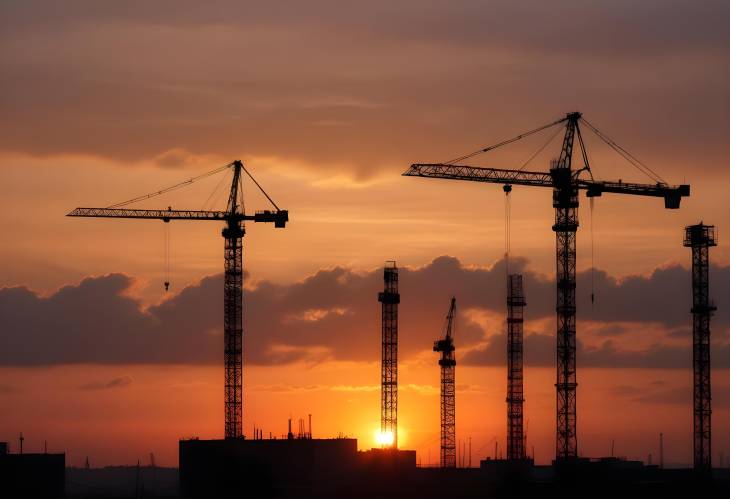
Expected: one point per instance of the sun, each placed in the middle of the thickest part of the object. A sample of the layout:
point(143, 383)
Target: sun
point(384, 438)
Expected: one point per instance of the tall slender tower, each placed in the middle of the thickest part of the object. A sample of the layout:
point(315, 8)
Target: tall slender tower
point(233, 312)
point(565, 202)
point(515, 393)
point(448, 390)
point(700, 237)
point(389, 366)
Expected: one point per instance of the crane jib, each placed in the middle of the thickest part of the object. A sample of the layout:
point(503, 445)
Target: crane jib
point(672, 194)
point(279, 218)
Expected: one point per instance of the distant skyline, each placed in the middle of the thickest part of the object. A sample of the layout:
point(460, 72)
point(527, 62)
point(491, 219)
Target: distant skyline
point(328, 104)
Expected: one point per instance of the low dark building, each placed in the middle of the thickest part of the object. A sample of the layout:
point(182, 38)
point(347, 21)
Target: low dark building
point(31, 475)
point(267, 468)
point(388, 459)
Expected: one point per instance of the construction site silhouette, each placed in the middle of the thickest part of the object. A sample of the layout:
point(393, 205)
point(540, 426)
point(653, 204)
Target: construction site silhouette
point(296, 465)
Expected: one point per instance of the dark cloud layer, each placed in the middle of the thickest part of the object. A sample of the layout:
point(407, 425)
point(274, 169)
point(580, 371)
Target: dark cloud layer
point(364, 84)
point(540, 351)
point(334, 314)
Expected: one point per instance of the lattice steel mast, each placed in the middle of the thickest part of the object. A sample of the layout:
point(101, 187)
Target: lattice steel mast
point(515, 392)
point(565, 202)
point(700, 238)
point(448, 390)
point(233, 233)
point(566, 184)
point(390, 299)
point(233, 314)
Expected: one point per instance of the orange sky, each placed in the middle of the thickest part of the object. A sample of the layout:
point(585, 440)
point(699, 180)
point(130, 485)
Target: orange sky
point(162, 404)
point(328, 105)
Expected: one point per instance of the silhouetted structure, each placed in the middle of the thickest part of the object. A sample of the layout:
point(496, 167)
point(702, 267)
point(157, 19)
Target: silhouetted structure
point(233, 233)
point(298, 467)
point(566, 184)
point(515, 393)
point(700, 238)
point(390, 299)
point(30, 475)
point(266, 468)
point(314, 468)
point(448, 390)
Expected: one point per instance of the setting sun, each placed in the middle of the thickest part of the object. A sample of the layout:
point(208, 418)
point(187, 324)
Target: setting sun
point(384, 438)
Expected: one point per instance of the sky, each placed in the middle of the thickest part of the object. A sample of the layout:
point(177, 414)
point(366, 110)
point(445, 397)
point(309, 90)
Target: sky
point(327, 103)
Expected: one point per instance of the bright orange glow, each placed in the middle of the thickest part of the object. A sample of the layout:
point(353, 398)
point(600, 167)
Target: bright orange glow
point(384, 438)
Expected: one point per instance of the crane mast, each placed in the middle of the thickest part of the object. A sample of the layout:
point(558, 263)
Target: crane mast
point(232, 233)
point(515, 389)
point(566, 184)
point(390, 298)
point(565, 202)
point(233, 314)
point(701, 238)
point(448, 390)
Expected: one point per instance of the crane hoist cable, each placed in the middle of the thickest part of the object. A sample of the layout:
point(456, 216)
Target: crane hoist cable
point(260, 188)
point(508, 204)
point(633, 160)
point(540, 149)
point(216, 193)
point(505, 142)
point(174, 187)
point(507, 219)
point(593, 252)
point(167, 255)
point(171, 188)
point(591, 202)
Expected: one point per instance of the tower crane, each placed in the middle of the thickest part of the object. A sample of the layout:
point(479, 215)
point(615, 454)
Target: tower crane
point(448, 390)
point(234, 217)
point(566, 183)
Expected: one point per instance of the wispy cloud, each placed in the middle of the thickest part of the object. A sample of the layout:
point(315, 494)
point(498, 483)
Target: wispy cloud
point(109, 385)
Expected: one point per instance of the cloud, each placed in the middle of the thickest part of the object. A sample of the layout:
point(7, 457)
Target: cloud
point(334, 315)
point(539, 350)
point(142, 78)
point(112, 384)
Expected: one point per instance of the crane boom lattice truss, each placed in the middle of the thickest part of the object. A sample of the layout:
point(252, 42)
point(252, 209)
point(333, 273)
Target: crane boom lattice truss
point(566, 184)
point(700, 238)
point(448, 390)
point(515, 392)
point(233, 233)
point(389, 298)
